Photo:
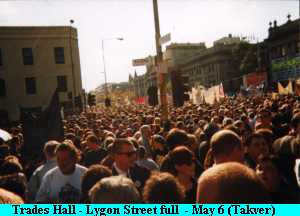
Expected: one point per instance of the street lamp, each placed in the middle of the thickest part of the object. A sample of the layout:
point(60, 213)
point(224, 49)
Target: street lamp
point(104, 69)
point(72, 66)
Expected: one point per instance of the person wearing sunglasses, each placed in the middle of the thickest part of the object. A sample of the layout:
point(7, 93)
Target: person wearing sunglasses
point(125, 156)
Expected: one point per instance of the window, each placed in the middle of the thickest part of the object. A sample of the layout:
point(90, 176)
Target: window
point(62, 84)
point(30, 84)
point(0, 57)
point(59, 55)
point(2, 88)
point(27, 56)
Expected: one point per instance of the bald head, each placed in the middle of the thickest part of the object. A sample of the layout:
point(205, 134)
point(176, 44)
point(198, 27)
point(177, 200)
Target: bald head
point(226, 146)
point(231, 183)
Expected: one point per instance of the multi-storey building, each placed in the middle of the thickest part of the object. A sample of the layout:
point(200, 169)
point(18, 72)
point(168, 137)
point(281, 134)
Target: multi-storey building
point(34, 61)
point(282, 47)
point(140, 85)
point(214, 66)
point(175, 54)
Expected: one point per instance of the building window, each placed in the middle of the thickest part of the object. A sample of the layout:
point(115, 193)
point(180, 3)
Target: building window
point(30, 84)
point(1, 57)
point(59, 54)
point(2, 88)
point(27, 56)
point(62, 84)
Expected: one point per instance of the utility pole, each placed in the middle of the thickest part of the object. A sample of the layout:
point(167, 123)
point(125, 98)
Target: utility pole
point(299, 29)
point(159, 58)
point(72, 66)
point(104, 68)
point(104, 71)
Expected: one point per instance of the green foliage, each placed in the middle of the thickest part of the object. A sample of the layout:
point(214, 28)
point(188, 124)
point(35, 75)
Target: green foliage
point(244, 57)
point(286, 64)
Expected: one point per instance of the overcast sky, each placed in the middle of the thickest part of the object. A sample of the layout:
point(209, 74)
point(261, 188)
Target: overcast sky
point(186, 20)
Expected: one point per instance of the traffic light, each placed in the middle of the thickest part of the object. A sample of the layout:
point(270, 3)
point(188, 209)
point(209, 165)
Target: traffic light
point(152, 96)
point(78, 102)
point(107, 102)
point(180, 88)
point(185, 87)
point(91, 99)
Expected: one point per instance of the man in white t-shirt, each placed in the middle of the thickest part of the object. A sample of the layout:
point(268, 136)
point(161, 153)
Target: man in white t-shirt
point(62, 184)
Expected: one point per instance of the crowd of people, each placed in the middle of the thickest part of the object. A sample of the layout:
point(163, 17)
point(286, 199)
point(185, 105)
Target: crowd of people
point(238, 150)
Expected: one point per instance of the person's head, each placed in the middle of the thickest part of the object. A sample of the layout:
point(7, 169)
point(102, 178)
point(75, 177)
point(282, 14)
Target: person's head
point(210, 129)
point(226, 146)
point(129, 132)
point(227, 121)
point(137, 135)
point(182, 162)
point(4, 150)
point(231, 183)
point(114, 189)
point(256, 145)
point(265, 117)
point(163, 188)
point(11, 165)
point(134, 142)
point(141, 152)
point(176, 137)
point(124, 153)
point(91, 177)
point(296, 123)
point(92, 141)
point(67, 156)
point(7, 197)
point(146, 131)
point(268, 135)
point(157, 121)
point(49, 149)
point(193, 142)
point(240, 125)
point(70, 136)
point(108, 141)
point(158, 142)
point(268, 169)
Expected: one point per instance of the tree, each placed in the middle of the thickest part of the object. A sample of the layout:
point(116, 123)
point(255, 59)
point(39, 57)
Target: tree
point(244, 57)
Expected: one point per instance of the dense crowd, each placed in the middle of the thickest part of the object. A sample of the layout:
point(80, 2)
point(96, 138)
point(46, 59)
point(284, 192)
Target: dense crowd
point(238, 150)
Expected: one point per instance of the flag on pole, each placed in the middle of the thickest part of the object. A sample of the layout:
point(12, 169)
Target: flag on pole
point(221, 90)
point(41, 126)
point(290, 88)
point(285, 90)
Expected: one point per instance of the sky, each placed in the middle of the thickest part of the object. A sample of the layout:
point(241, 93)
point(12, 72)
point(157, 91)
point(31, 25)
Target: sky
point(191, 21)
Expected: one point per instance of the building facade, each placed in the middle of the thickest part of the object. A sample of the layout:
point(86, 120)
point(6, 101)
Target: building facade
point(212, 67)
point(34, 61)
point(139, 85)
point(282, 47)
point(178, 53)
point(174, 55)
